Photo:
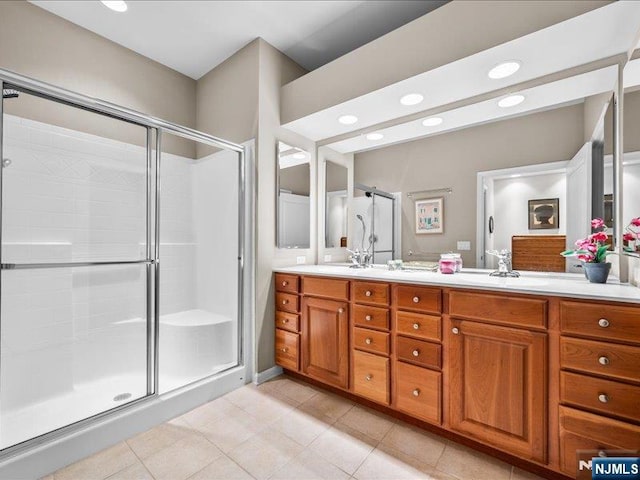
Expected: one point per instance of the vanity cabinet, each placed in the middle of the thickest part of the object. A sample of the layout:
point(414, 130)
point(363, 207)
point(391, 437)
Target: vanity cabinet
point(599, 380)
point(287, 320)
point(325, 331)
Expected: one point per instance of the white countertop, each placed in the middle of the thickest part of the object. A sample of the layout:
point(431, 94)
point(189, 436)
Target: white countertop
point(560, 284)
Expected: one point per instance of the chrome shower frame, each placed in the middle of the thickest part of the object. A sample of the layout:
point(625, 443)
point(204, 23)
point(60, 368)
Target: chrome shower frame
point(10, 80)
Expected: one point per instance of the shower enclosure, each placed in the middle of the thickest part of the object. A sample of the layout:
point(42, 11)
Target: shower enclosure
point(377, 210)
point(121, 248)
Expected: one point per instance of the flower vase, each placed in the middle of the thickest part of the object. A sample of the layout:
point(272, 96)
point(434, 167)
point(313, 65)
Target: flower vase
point(597, 272)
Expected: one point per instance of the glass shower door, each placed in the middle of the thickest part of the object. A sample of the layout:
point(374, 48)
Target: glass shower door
point(75, 277)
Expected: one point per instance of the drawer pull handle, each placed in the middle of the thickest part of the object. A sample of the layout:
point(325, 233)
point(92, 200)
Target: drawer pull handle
point(284, 350)
point(368, 341)
point(455, 330)
point(416, 353)
point(285, 320)
point(416, 326)
point(368, 318)
point(341, 310)
point(604, 398)
point(603, 360)
point(416, 392)
point(368, 293)
point(284, 302)
point(285, 283)
point(368, 377)
point(603, 322)
point(416, 299)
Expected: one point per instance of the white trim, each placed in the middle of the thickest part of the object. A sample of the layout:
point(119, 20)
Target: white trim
point(266, 375)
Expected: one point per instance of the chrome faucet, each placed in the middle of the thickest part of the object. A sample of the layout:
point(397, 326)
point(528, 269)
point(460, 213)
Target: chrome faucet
point(359, 259)
point(504, 264)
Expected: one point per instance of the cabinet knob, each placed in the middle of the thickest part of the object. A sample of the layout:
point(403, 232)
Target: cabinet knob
point(368, 293)
point(416, 392)
point(285, 283)
point(368, 377)
point(368, 341)
point(603, 322)
point(416, 299)
point(603, 360)
point(416, 326)
point(284, 302)
point(341, 310)
point(416, 353)
point(285, 320)
point(284, 349)
point(455, 330)
point(604, 398)
point(368, 318)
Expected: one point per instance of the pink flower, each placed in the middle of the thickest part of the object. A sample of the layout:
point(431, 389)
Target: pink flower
point(599, 237)
point(635, 222)
point(582, 243)
point(586, 258)
point(597, 223)
point(628, 237)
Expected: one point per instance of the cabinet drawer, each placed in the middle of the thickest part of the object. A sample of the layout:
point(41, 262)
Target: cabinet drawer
point(600, 321)
point(418, 325)
point(287, 302)
point(418, 298)
point(326, 287)
point(612, 360)
point(586, 431)
point(371, 376)
point(371, 317)
point(606, 396)
point(287, 348)
point(529, 312)
point(418, 351)
point(287, 283)
point(369, 292)
point(288, 321)
point(417, 392)
point(371, 340)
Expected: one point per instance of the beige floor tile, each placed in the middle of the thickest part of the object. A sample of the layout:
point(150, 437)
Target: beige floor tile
point(344, 447)
point(270, 407)
point(386, 465)
point(292, 389)
point(222, 468)
point(369, 422)
point(265, 453)
point(48, 477)
point(326, 405)
point(308, 466)
point(147, 443)
point(518, 474)
point(419, 444)
point(137, 471)
point(182, 459)
point(230, 432)
point(209, 412)
point(99, 466)
point(468, 464)
point(302, 427)
point(436, 474)
point(246, 396)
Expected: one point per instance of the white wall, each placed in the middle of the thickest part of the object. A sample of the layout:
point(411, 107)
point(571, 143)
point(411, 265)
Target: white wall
point(511, 208)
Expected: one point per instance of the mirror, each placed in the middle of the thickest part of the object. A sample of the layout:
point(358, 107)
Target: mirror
point(293, 213)
point(336, 211)
point(532, 150)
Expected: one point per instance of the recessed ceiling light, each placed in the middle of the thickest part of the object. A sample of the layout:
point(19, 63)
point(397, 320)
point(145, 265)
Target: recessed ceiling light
point(115, 5)
point(299, 156)
point(504, 70)
point(511, 101)
point(375, 136)
point(432, 121)
point(515, 175)
point(348, 119)
point(411, 99)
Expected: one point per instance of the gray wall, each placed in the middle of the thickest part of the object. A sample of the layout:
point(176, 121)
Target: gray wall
point(38, 44)
point(454, 159)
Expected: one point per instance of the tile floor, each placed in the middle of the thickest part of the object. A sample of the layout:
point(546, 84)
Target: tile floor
point(287, 430)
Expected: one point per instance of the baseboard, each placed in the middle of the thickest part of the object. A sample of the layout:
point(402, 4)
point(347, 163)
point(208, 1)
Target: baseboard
point(267, 375)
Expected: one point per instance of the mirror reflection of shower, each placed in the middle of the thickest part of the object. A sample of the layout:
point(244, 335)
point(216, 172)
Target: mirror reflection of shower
point(375, 211)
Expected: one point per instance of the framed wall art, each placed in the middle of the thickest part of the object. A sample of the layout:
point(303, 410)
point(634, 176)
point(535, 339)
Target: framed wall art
point(544, 214)
point(430, 215)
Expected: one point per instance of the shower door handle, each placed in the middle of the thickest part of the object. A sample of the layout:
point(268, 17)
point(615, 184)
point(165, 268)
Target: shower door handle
point(26, 266)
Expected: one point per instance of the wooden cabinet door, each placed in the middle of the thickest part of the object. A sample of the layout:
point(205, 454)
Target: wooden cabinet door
point(498, 386)
point(325, 344)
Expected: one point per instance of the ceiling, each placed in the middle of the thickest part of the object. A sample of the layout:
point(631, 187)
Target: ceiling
point(193, 37)
point(593, 36)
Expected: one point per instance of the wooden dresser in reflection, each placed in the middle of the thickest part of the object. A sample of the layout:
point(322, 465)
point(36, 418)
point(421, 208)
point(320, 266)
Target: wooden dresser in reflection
point(538, 252)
